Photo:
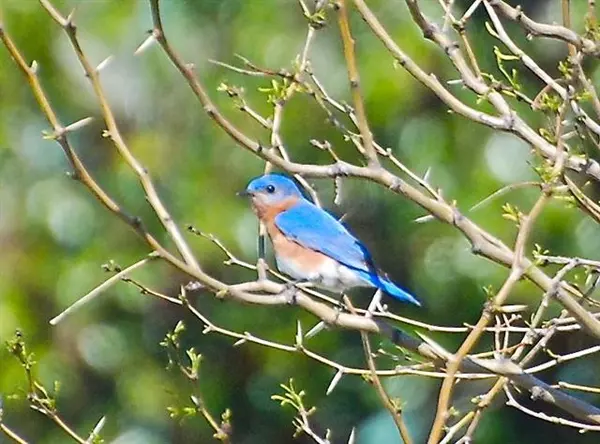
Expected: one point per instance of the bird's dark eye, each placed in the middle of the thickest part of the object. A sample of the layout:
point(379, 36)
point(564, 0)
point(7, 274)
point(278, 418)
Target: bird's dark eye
point(270, 189)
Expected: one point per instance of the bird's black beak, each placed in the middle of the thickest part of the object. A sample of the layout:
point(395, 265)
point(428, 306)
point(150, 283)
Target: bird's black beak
point(244, 193)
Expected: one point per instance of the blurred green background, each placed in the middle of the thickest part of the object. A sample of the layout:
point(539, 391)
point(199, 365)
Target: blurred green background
point(54, 236)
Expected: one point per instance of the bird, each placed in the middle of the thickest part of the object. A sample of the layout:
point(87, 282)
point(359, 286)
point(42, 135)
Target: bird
point(311, 245)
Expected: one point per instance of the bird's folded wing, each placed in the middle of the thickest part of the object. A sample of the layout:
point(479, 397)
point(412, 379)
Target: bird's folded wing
point(318, 230)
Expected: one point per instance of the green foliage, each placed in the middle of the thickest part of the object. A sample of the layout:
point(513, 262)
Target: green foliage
point(39, 397)
point(277, 91)
point(172, 343)
point(293, 398)
point(512, 77)
point(512, 213)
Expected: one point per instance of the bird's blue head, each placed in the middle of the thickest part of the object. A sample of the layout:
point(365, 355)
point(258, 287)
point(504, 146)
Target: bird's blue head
point(272, 190)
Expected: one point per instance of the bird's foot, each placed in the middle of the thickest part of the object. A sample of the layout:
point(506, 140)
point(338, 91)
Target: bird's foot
point(291, 291)
point(341, 305)
point(339, 308)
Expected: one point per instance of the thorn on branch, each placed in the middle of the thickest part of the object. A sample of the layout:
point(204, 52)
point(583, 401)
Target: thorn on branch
point(424, 219)
point(320, 326)
point(334, 382)
point(104, 63)
point(147, 43)
point(69, 22)
point(239, 342)
point(73, 175)
point(194, 286)
point(78, 124)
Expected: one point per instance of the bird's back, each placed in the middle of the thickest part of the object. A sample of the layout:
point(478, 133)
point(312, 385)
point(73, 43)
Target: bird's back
point(315, 228)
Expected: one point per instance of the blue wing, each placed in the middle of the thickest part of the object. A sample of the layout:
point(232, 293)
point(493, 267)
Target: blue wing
point(318, 230)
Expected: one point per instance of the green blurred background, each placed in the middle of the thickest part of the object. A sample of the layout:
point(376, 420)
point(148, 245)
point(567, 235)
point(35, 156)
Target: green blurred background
point(54, 236)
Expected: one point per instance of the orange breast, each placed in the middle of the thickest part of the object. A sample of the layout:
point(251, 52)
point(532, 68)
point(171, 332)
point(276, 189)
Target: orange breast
point(307, 260)
point(268, 212)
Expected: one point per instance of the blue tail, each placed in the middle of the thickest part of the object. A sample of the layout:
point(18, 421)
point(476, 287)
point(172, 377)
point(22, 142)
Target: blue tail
point(388, 286)
point(393, 290)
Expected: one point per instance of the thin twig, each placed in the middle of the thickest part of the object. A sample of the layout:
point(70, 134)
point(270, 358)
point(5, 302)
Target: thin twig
point(353, 76)
point(100, 289)
point(11, 434)
point(393, 407)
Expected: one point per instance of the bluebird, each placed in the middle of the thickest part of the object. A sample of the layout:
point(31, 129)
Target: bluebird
point(312, 245)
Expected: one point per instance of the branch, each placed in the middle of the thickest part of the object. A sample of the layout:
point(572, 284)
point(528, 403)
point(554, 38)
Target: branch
point(503, 36)
point(538, 388)
point(100, 289)
point(394, 408)
point(430, 351)
point(353, 76)
point(517, 271)
point(115, 135)
point(482, 242)
point(544, 30)
point(582, 427)
point(11, 434)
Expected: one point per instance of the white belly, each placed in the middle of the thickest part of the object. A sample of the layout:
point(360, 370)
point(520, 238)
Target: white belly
point(330, 275)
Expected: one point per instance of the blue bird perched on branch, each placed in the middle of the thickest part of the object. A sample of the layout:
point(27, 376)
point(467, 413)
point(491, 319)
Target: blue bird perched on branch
point(310, 244)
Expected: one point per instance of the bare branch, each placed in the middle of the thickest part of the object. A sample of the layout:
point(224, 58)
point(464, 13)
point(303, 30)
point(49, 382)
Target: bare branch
point(115, 135)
